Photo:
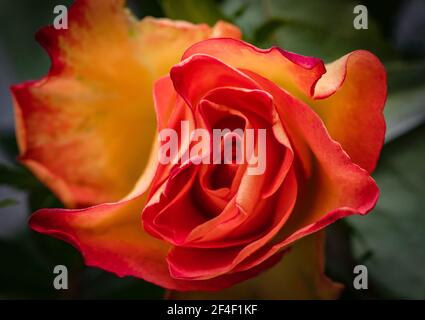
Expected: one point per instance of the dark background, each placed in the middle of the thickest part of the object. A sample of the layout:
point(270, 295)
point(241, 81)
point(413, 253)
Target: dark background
point(390, 241)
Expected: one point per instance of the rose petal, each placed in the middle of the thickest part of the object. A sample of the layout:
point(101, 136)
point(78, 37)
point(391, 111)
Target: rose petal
point(352, 96)
point(172, 216)
point(103, 68)
point(298, 74)
point(257, 105)
point(299, 275)
point(171, 212)
point(165, 98)
point(214, 73)
point(223, 29)
point(110, 237)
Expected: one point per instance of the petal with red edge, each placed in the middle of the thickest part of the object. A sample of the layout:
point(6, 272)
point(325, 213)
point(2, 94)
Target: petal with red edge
point(299, 275)
point(351, 98)
point(214, 73)
point(70, 123)
point(298, 74)
point(110, 237)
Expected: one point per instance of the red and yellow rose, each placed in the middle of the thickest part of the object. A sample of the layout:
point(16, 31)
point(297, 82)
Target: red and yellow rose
point(88, 131)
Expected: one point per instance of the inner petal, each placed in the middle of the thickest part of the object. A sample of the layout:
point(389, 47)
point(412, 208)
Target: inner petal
point(215, 187)
point(231, 122)
point(222, 176)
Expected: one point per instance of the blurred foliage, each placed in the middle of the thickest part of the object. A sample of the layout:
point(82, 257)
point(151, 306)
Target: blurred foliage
point(8, 202)
point(28, 273)
point(401, 120)
point(197, 11)
point(31, 257)
point(19, 20)
point(22, 179)
point(389, 241)
point(316, 28)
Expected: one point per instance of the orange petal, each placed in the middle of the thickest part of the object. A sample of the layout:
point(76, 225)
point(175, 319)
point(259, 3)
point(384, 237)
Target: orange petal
point(214, 74)
point(162, 41)
point(352, 96)
point(165, 98)
point(87, 128)
point(224, 29)
point(349, 94)
point(299, 275)
point(110, 237)
point(297, 74)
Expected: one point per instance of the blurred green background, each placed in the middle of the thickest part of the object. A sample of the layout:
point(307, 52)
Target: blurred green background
point(390, 241)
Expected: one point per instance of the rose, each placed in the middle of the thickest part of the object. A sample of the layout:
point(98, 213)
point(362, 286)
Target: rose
point(208, 227)
point(221, 221)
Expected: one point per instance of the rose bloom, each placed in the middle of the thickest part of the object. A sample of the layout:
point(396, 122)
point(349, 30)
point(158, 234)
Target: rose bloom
point(89, 130)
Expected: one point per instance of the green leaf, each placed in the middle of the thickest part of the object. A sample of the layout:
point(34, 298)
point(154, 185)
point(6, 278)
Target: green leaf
point(403, 75)
point(28, 262)
point(18, 22)
point(17, 177)
point(390, 240)
point(405, 108)
point(22, 179)
point(8, 146)
point(196, 11)
point(98, 284)
point(21, 274)
point(7, 203)
point(404, 111)
point(27, 272)
point(143, 8)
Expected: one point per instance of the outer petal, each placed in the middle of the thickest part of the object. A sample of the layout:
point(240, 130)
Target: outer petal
point(299, 275)
point(353, 93)
point(353, 90)
point(224, 29)
point(110, 237)
point(298, 74)
point(164, 41)
point(214, 74)
point(70, 123)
